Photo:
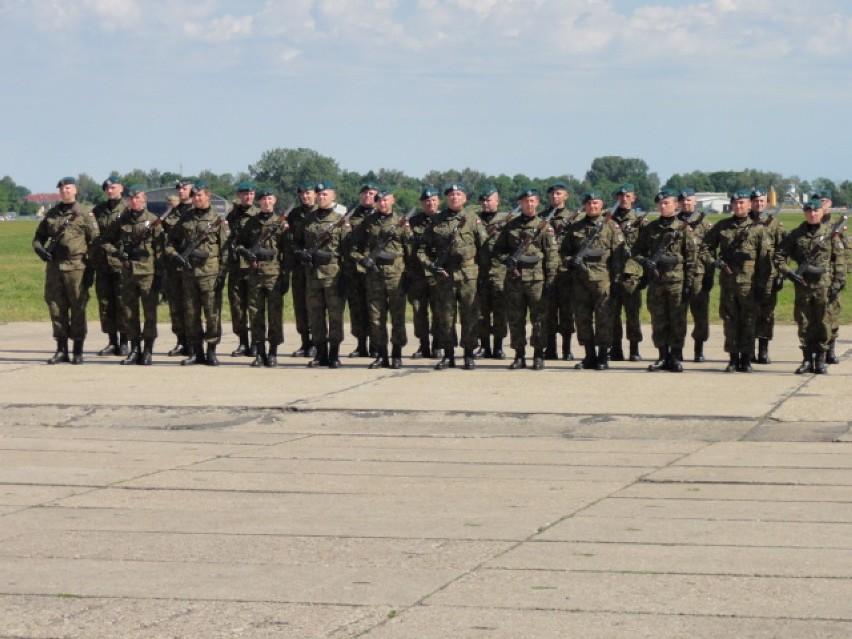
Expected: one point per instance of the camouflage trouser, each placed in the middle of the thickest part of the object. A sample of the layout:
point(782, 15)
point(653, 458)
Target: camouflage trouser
point(66, 300)
point(265, 304)
point(325, 310)
point(524, 298)
point(453, 296)
point(356, 297)
point(668, 314)
point(560, 306)
point(699, 307)
point(491, 300)
point(383, 296)
point(108, 292)
point(632, 305)
point(136, 291)
point(420, 298)
point(592, 311)
point(764, 316)
point(201, 299)
point(173, 286)
point(811, 310)
point(238, 294)
point(834, 315)
point(736, 308)
point(299, 289)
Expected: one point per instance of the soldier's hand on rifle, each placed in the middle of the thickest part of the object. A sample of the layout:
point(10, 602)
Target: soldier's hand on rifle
point(179, 260)
point(43, 253)
point(510, 262)
point(720, 264)
point(834, 291)
point(248, 255)
point(367, 262)
point(576, 263)
point(121, 255)
point(305, 257)
point(649, 265)
point(795, 278)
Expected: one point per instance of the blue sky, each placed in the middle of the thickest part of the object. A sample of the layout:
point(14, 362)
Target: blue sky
point(539, 87)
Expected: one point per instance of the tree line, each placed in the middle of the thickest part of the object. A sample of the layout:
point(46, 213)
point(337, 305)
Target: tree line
point(285, 169)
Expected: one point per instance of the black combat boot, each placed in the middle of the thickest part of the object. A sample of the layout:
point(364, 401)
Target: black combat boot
point(567, 355)
point(602, 361)
point(662, 363)
point(243, 347)
point(437, 352)
point(831, 355)
point(260, 355)
point(396, 356)
point(676, 360)
point(423, 351)
point(550, 350)
point(381, 360)
point(497, 352)
point(272, 356)
point(591, 358)
point(180, 348)
point(361, 350)
point(191, 357)
point(212, 360)
point(744, 365)
point(123, 350)
point(448, 359)
point(699, 352)
point(807, 365)
point(334, 355)
point(61, 354)
point(819, 362)
point(763, 351)
point(112, 347)
point(538, 359)
point(733, 363)
point(371, 348)
point(469, 360)
point(147, 355)
point(302, 351)
point(520, 360)
point(321, 357)
point(77, 354)
point(616, 353)
point(133, 355)
point(484, 349)
point(634, 352)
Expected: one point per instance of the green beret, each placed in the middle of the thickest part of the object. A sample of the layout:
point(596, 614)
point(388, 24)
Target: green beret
point(528, 192)
point(428, 192)
point(664, 193)
point(304, 187)
point(822, 193)
point(489, 190)
point(814, 204)
point(455, 186)
point(741, 194)
point(184, 182)
point(136, 189)
point(264, 192)
point(112, 179)
point(245, 187)
point(685, 193)
point(368, 186)
point(325, 185)
point(556, 186)
point(756, 192)
point(65, 181)
point(200, 185)
point(627, 187)
point(382, 192)
point(592, 195)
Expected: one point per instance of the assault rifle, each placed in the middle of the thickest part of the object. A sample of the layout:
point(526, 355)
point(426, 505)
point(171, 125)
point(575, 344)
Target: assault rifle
point(251, 254)
point(126, 251)
point(806, 266)
point(437, 266)
point(200, 236)
point(724, 262)
point(495, 227)
point(378, 252)
point(585, 250)
point(52, 242)
point(659, 256)
point(310, 256)
point(517, 257)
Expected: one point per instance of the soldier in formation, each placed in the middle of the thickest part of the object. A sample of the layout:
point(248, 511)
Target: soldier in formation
point(560, 312)
point(699, 299)
point(307, 195)
point(173, 269)
point(239, 269)
point(490, 288)
point(420, 284)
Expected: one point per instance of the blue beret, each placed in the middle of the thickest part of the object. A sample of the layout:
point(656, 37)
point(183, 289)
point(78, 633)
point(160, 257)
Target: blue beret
point(556, 186)
point(112, 179)
point(487, 191)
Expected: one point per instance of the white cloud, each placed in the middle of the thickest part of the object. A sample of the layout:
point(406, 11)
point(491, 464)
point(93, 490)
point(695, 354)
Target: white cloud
point(115, 14)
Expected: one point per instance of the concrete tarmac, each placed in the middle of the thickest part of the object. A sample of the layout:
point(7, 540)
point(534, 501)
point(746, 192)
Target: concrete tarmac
point(171, 501)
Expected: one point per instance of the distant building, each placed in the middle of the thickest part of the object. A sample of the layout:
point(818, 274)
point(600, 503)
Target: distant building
point(713, 202)
point(158, 201)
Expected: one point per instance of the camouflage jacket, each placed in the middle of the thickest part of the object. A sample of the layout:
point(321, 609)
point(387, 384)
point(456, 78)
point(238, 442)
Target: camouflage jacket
point(539, 261)
point(69, 232)
point(139, 235)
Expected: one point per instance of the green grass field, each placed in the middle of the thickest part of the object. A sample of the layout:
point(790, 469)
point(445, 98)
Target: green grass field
point(22, 281)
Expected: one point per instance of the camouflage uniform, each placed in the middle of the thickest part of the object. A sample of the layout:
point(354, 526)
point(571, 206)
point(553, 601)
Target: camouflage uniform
point(667, 250)
point(560, 310)
point(591, 279)
point(491, 295)
point(834, 308)
point(420, 284)
point(108, 282)
point(529, 279)
point(821, 282)
point(699, 300)
point(203, 279)
point(356, 288)
point(380, 246)
point(299, 284)
point(764, 313)
point(623, 298)
point(173, 280)
point(322, 236)
point(454, 240)
point(743, 247)
point(239, 271)
point(136, 240)
point(261, 243)
point(64, 239)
